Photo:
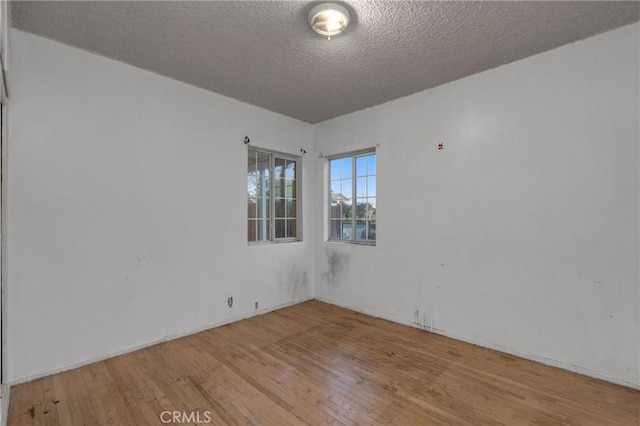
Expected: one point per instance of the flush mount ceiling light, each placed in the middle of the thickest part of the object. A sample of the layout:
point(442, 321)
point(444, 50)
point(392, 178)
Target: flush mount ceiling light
point(328, 19)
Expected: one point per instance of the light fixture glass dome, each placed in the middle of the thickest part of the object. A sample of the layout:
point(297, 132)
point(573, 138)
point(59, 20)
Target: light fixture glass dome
point(328, 19)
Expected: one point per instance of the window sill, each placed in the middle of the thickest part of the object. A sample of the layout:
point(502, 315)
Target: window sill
point(358, 243)
point(266, 243)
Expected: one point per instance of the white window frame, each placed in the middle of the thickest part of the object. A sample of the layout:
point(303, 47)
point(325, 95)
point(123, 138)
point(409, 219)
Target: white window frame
point(353, 155)
point(272, 205)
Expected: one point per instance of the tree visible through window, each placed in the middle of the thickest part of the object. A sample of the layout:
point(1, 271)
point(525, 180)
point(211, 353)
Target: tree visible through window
point(352, 192)
point(272, 197)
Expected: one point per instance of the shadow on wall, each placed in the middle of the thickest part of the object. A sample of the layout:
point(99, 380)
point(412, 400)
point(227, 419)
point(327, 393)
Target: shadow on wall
point(337, 263)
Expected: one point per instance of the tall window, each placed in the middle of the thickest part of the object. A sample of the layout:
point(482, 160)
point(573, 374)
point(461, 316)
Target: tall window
point(272, 197)
point(352, 198)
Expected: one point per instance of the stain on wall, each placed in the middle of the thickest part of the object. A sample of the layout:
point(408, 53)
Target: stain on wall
point(421, 320)
point(138, 260)
point(337, 264)
point(424, 320)
point(295, 281)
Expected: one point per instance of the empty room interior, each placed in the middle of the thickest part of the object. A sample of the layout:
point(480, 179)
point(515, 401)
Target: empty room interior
point(190, 224)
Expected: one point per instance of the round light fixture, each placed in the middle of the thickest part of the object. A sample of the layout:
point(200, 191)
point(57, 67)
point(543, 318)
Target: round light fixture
point(328, 19)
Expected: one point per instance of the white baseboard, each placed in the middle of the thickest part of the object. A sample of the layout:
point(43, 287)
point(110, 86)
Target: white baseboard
point(154, 342)
point(504, 349)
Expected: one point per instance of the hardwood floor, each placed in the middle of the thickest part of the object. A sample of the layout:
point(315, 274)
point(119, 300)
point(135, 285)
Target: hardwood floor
point(316, 364)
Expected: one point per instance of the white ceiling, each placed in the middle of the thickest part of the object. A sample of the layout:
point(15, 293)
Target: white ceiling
point(264, 53)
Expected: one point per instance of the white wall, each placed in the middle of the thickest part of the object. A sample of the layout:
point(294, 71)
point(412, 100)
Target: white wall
point(125, 194)
point(522, 234)
point(127, 209)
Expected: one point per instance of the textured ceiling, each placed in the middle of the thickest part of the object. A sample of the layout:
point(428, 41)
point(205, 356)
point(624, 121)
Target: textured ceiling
point(264, 53)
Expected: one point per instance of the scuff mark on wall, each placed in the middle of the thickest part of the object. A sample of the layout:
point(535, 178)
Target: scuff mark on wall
point(421, 320)
point(424, 321)
point(337, 266)
point(138, 260)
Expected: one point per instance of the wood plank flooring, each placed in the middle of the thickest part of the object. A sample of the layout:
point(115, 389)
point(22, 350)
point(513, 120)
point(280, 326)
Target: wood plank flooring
point(319, 364)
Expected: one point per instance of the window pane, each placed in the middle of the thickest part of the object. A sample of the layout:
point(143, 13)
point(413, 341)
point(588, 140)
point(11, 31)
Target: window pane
point(361, 230)
point(279, 188)
point(251, 224)
point(252, 184)
point(346, 209)
point(262, 208)
point(258, 230)
point(262, 161)
point(280, 228)
point(334, 169)
point(290, 170)
point(263, 230)
point(361, 208)
point(347, 188)
point(371, 230)
point(290, 189)
point(371, 164)
point(340, 205)
point(346, 167)
point(291, 228)
point(335, 233)
point(278, 170)
point(263, 186)
point(361, 187)
point(280, 207)
point(371, 186)
point(361, 166)
point(252, 160)
point(291, 208)
point(371, 208)
point(366, 230)
point(258, 208)
point(335, 188)
point(346, 230)
point(336, 210)
point(335, 198)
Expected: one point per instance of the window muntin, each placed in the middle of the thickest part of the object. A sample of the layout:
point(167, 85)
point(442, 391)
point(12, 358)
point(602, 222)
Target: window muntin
point(352, 182)
point(273, 206)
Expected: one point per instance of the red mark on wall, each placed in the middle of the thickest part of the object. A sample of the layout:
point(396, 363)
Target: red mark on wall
point(441, 146)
